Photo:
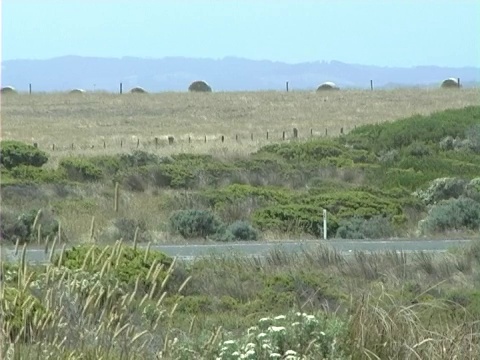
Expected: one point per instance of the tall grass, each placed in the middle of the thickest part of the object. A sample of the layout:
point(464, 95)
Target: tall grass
point(388, 306)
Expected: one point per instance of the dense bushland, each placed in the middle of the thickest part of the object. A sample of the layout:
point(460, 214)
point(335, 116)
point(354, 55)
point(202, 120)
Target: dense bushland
point(398, 172)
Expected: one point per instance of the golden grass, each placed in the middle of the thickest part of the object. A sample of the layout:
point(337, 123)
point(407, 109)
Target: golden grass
point(88, 120)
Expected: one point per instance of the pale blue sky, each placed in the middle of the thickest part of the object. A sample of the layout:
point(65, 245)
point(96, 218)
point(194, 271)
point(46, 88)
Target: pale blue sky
point(386, 33)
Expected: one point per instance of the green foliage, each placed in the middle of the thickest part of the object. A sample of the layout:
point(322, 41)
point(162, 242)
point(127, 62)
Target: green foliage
point(293, 218)
point(15, 153)
point(377, 227)
point(19, 311)
point(80, 169)
point(242, 230)
point(125, 228)
point(453, 214)
point(20, 227)
point(28, 173)
point(426, 129)
point(122, 263)
point(442, 189)
point(194, 223)
point(312, 150)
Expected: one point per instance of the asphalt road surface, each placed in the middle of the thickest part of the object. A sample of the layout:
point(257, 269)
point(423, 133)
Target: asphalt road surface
point(38, 255)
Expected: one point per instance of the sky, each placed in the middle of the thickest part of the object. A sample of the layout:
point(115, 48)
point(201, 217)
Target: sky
point(384, 33)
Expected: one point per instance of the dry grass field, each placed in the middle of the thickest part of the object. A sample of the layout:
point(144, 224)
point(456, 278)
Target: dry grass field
point(100, 122)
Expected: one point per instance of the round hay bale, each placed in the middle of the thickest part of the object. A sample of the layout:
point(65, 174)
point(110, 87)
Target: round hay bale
point(199, 86)
point(328, 86)
point(450, 83)
point(8, 90)
point(138, 90)
point(77, 91)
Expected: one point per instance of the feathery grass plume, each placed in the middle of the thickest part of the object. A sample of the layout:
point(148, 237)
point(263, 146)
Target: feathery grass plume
point(62, 253)
point(147, 250)
point(87, 258)
point(46, 244)
point(39, 234)
point(92, 229)
point(17, 243)
point(52, 250)
point(135, 238)
point(37, 217)
point(59, 232)
point(192, 323)
point(152, 269)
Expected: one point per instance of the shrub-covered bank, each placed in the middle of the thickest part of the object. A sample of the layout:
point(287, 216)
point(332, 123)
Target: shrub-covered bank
point(412, 177)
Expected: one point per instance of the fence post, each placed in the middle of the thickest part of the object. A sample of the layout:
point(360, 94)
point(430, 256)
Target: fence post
point(286, 85)
point(115, 201)
point(311, 132)
point(138, 142)
point(267, 135)
point(251, 135)
point(326, 132)
point(104, 144)
point(236, 137)
point(156, 142)
point(295, 133)
point(341, 130)
point(205, 138)
point(324, 224)
point(283, 135)
point(223, 138)
point(189, 140)
point(121, 88)
point(458, 82)
point(171, 140)
point(371, 85)
point(30, 89)
point(121, 143)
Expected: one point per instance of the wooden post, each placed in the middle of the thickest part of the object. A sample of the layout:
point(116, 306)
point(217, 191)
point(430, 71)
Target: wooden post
point(138, 142)
point(311, 132)
point(341, 130)
point(283, 136)
point(156, 142)
point(72, 146)
point(53, 146)
point(121, 88)
point(326, 132)
point(267, 135)
point(295, 133)
point(35, 145)
point(121, 143)
point(171, 140)
point(286, 85)
point(371, 85)
point(189, 140)
point(223, 138)
point(251, 135)
point(236, 137)
point(104, 144)
point(458, 82)
point(205, 138)
point(30, 89)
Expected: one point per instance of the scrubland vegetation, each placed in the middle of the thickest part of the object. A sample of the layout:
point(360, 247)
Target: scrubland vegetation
point(418, 176)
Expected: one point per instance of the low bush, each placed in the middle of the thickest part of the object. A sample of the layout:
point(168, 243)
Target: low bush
point(15, 153)
point(28, 173)
point(20, 227)
point(442, 189)
point(242, 230)
point(377, 227)
point(80, 169)
point(453, 214)
point(194, 223)
point(125, 228)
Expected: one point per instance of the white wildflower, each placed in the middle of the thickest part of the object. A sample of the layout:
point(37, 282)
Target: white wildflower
point(264, 319)
point(250, 346)
point(280, 317)
point(266, 346)
point(276, 328)
point(252, 329)
point(235, 353)
point(229, 342)
point(296, 323)
point(322, 333)
point(290, 352)
point(275, 355)
point(250, 352)
point(310, 317)
point(261, 335)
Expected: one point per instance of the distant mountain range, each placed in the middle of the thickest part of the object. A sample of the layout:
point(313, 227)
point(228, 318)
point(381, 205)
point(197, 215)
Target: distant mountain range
point(227, 74)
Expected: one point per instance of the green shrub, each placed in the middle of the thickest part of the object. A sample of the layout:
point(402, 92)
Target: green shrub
point(125, 228)
point(442, 189)
point(15, 153)
point(293, 218)
point(125, 265)
point(453, 214)
point(472, 189)
point(377, 227)
point(79, 169)
point(242, 230)
point(140, 158)
point(34, 174)
point(427, 129)
point(194, 223)
point(20, 227)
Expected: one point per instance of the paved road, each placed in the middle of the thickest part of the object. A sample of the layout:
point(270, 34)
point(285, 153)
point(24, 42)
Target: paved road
point(259, 249)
